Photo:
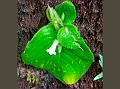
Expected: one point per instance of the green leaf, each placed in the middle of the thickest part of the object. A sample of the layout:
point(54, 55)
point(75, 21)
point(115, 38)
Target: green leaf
point(101, 60)
point(68, 66)
point(54, 18)
point(87, 54)
point(69, 12)
point(71, 66)
point(68, 36)
point(48, 14)
point(98, 76)
point(36, 47)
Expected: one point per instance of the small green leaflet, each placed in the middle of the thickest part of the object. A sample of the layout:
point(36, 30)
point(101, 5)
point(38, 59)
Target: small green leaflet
point(69, 11)
point(70, 58)
point(100, 75)
point(68, 36)
point(54, 18)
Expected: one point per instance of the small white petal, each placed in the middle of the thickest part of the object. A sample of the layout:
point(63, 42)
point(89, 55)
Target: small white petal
point(52, 49)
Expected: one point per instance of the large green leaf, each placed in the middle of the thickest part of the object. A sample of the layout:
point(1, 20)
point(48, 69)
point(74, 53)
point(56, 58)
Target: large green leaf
point(36, 48)
point(68, 66)
point(66, 10)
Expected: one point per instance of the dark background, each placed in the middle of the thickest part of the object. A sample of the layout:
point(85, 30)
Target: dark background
point(31, 16)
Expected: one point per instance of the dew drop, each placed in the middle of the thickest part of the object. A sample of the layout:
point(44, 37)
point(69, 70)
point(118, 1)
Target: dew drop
point(58, 69)
point(36, 60)
point(41, 66)
point(54, 65)
point(79, 62)
point(72, 62)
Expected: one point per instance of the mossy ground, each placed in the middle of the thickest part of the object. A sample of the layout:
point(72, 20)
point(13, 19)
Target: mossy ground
point(31, 16)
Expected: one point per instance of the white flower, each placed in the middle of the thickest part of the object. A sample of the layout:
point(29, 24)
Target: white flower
point(52, 49)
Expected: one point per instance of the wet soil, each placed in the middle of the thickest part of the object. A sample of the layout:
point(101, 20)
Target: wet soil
point(31, 16)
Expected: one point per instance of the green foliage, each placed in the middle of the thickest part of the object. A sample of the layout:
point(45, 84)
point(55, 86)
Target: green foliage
point(68, 36)
point(58, 48)
point(69, 11)
point(100, 75)
point(54, 18)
